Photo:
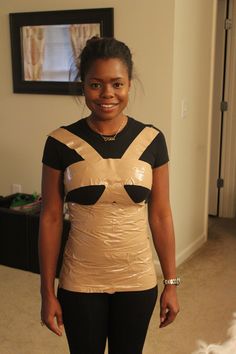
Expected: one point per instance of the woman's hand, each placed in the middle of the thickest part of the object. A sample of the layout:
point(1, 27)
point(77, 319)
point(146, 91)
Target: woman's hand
point(169, 306)
point(51, 314)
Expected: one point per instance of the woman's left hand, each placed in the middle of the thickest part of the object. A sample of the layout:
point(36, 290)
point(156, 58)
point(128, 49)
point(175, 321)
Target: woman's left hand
point(169, 306)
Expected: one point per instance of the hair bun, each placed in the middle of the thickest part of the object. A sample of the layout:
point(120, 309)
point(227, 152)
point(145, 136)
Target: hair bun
point(92, 39)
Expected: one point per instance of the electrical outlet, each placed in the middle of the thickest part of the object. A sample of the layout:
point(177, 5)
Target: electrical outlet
point(16, 188)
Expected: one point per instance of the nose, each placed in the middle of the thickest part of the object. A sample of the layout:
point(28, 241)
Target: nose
point(107, 91)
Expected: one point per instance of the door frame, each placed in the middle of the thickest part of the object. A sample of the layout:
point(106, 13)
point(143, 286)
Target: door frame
point(222, 202)
point(227, 207)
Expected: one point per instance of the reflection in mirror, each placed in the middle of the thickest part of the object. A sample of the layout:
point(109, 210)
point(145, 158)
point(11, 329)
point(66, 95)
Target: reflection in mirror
point(49, 52)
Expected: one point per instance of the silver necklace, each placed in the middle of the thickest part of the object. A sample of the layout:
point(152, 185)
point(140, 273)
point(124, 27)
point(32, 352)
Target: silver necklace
point(105, 137)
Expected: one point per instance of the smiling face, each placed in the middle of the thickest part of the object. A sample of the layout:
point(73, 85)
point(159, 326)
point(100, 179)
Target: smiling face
point(106, 88)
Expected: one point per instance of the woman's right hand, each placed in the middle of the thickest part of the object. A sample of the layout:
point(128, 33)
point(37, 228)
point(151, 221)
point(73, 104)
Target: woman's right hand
point(51, 314)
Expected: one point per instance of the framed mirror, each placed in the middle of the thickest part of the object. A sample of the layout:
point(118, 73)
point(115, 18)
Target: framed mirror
point(45, 47)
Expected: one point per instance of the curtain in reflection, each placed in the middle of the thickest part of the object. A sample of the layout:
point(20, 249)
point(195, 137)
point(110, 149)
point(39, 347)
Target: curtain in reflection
point(33, 49)
point(80, 34)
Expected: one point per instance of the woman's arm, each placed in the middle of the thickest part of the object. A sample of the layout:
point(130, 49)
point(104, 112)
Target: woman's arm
point(50, 230)
point(161, 225)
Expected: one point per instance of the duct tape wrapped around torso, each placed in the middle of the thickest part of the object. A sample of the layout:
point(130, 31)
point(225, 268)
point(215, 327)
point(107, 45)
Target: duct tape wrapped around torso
point(108, 248)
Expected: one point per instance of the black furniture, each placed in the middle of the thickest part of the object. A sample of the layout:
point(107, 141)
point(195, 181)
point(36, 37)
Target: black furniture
point(19, 238)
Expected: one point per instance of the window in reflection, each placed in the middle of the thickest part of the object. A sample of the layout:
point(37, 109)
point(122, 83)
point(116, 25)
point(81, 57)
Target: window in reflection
point(49, 52)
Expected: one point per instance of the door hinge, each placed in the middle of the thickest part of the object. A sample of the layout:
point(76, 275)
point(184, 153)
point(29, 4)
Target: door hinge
point(223, 106)
point(228, 24)
point(220, 183)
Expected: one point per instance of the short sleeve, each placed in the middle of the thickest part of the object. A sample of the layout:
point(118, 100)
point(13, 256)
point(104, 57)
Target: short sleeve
point(52, 154)
point(161, 151)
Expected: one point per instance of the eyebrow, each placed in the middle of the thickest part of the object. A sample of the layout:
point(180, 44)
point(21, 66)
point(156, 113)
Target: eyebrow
point(98, 79)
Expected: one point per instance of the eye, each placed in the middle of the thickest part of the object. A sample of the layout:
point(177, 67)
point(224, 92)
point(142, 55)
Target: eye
point(118, 84)
point(95, 85)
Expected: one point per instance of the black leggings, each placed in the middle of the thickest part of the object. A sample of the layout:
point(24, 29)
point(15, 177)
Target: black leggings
point(91, 318)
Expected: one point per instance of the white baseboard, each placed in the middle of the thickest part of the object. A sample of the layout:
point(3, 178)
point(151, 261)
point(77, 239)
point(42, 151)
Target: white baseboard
point(186, 253)
point(189, 250)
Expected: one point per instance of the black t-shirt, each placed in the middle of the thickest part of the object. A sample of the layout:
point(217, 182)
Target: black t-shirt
point(58, 156)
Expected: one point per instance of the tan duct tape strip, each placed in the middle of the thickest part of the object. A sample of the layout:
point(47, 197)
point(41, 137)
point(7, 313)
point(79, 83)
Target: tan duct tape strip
point(71, 140)
point(141, 142)
point(108, 172)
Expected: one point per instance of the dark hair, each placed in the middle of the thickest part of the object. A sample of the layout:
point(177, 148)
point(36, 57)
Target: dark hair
point(103, 48)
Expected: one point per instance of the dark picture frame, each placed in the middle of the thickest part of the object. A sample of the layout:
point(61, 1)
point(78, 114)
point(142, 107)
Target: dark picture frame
point(104, 17)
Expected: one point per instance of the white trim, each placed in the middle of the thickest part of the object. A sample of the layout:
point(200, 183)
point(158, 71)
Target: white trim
point(192, 248)
point(185, 254)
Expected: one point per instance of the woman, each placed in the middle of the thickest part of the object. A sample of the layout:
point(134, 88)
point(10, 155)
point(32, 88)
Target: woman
point(110, 169)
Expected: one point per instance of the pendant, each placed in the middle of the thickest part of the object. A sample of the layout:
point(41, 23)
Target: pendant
point(108, 138)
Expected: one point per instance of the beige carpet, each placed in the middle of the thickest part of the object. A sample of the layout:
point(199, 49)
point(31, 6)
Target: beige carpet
point(207, 297)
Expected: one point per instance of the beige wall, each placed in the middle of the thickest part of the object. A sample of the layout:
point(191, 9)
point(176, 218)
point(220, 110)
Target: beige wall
point(171, 44)
point(192, 81)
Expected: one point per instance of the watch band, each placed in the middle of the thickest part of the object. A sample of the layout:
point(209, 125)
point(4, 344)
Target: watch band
point(175, 281)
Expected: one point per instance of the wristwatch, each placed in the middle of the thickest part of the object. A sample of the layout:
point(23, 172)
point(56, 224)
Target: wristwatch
point(175, 281)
